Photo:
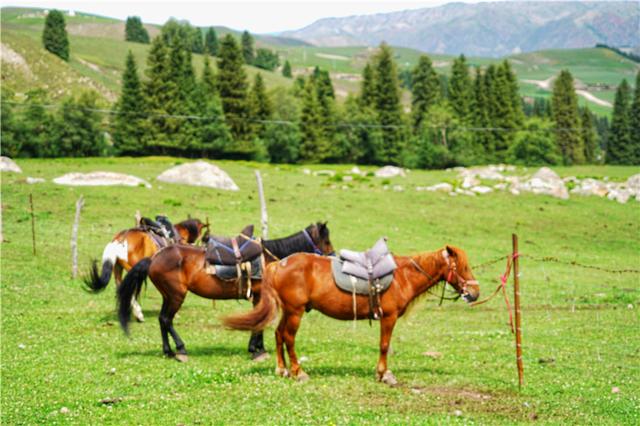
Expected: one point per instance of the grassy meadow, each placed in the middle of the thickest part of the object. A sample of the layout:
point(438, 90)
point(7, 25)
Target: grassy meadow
point(63, 352)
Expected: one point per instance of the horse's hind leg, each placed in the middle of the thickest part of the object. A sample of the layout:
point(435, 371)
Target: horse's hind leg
point(292, 323)
point(382, 372)
point(256, 342)
point(174, 306)
point(281, 367)
point(164, 330)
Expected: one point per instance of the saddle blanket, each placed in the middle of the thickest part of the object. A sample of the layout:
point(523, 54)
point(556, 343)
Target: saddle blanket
point(221, 250)
point(347, 282)
point(228, 272)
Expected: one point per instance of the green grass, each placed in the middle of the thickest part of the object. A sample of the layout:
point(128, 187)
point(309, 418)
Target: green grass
point(61, 347)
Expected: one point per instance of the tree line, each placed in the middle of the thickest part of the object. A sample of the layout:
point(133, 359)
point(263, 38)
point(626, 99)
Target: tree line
point(472, 116)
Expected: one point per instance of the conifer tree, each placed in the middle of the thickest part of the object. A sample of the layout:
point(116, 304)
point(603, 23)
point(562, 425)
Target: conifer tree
point(283, 141)
point(213, 133)
point(460, 90)
point(425, 90)
point(481, 114)
point(232, 86)
point(248, 52)
point(567, 120)
point(619, 149)
point(135, 31)
point(76, 128)
point(260, 105)
point(11, 142)
point(507, 115)
point(589, 136)
point(128, 122)
point(635, 122)
point(367, 88)
point(157, 89)
point(325, 94)
point(211, 42)
point(286, 70)
point(387, 106)
point(514, 93)
point(314, 147)
point(54, 35)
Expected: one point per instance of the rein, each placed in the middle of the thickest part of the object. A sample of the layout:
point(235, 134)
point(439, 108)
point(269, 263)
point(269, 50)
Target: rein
point(430, 278)
point(316, 250)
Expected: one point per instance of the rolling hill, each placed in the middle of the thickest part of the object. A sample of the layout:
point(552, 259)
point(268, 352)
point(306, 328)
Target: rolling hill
point(98, 54)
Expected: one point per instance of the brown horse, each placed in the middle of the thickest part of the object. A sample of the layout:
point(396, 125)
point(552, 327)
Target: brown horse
point(178, 269)
point(304, 282)
point(130, 246)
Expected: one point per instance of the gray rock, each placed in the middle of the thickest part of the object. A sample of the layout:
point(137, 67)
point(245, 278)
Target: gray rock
point(199, 173)
point(390, 171)
point(100, 179)
point(440, 187)
point(8, 165)
point(32, 180)
point(482, 189)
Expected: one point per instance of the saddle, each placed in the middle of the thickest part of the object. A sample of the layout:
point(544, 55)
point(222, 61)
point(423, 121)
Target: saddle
point(232, 251)
point(161, 230)
point(374, 266)
point(238, 258)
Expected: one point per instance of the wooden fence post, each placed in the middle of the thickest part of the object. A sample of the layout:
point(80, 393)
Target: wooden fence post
point(516, 302)
point(263, 207)
point(138, 218)
point(74, 238)
point(33, 225)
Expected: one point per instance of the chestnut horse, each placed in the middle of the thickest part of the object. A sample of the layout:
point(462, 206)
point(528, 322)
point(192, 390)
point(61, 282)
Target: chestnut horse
point(130, 246)
point(178, 269)
point(303, 282)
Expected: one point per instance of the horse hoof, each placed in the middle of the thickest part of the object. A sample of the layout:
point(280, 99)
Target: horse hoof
point(282, 372)
point(302, 377)
point(140, 319)
point(182, 357)
point(389, 379)
point(262, 356)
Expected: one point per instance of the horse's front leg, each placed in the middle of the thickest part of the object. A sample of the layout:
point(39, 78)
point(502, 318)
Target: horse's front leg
point(382, 372)
point(256, 341)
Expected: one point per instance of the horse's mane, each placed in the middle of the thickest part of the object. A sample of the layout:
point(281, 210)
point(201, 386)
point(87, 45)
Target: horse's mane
point(294, 243)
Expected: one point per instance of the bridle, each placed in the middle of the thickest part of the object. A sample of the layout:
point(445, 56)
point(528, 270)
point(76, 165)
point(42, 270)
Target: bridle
point(453, 271)
point(314, 246)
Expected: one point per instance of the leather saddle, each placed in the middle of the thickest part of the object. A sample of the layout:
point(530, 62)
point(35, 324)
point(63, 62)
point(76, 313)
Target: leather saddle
point(376, 266)
point(371, 264)
point(161, 230)
point(233, 251)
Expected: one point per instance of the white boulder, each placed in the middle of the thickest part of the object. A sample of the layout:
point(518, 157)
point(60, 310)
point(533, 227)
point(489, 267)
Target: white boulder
point(100, 179)
point(199, 173)
point(32, 180)
point(440, 187)
point(8, 165)
point(545, 181)
point(390, 171)
point(481, 189)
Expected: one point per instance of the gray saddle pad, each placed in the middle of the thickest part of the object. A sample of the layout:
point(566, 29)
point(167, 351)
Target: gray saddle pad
point(226, 272)
point(374, 263)
point(347, 282)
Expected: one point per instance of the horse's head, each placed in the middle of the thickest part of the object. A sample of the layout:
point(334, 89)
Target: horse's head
point(319, 234)
point(457, 272)
point(191, 229)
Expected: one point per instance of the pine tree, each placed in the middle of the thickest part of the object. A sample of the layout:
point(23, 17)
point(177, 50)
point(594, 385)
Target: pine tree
point(387, 106)
point(11, 142)
point(286, 70)
point(213, 135)
point(460, 90)
point(157, 89)
point(135, 31)
point(325, 95)
point(211, 42)
point(367, 88)
point(514, 93)
point(232, 86)
point(481, 114)
point(261, 108)
point(425, 90)
point(314, 147)
point(360, 139)
point(248, 52)
point(54, 35)
point(589, 136)
point(567, 120)
point(619, 149)
point(507, 115)
point(128, 128)
point(635, 122)
point(283, 140)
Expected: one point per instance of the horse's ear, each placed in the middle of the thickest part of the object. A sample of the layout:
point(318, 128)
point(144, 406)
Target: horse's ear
point(451, 251)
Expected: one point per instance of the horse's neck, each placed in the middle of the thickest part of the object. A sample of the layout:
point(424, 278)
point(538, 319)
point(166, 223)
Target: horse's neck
point(283, 247)
point(426, 274)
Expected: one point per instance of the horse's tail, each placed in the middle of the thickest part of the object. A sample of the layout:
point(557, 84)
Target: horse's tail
point(96, 282)
point(265, 311)
point(129, 289)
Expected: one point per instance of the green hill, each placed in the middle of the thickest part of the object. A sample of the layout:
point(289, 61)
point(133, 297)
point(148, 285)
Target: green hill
point(98, 52)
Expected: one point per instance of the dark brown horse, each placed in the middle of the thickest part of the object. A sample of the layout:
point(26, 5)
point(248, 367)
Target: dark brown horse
point(130, 246)
point(303, 282)
point(178, 269)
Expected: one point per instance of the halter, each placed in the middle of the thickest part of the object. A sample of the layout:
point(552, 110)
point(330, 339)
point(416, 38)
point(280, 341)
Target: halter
point(316, 250)
point(453, 270)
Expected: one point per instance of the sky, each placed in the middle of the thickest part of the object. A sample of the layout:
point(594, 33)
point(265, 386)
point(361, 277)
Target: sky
point(257, 16)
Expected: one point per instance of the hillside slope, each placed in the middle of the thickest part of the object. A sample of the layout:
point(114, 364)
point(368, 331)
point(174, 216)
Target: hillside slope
point(485, 29)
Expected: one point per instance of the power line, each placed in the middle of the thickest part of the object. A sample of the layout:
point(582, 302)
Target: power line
point(286, 122)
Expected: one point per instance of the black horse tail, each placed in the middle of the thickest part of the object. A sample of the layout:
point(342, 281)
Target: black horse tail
point(96, 282)
point(129, 289)
point(264, 312)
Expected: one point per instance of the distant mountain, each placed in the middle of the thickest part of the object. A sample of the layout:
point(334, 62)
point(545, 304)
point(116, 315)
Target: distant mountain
point(485, 29)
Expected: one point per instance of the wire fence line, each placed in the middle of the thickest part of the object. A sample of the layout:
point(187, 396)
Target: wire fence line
point(292, 123)
point(547, 259)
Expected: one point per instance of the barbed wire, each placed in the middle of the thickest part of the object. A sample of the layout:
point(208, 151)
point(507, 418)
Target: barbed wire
point(290, 123)
point(553, 259)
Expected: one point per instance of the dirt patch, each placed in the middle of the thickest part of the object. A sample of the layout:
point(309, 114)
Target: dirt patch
point(11, 57)
point(329, 56)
